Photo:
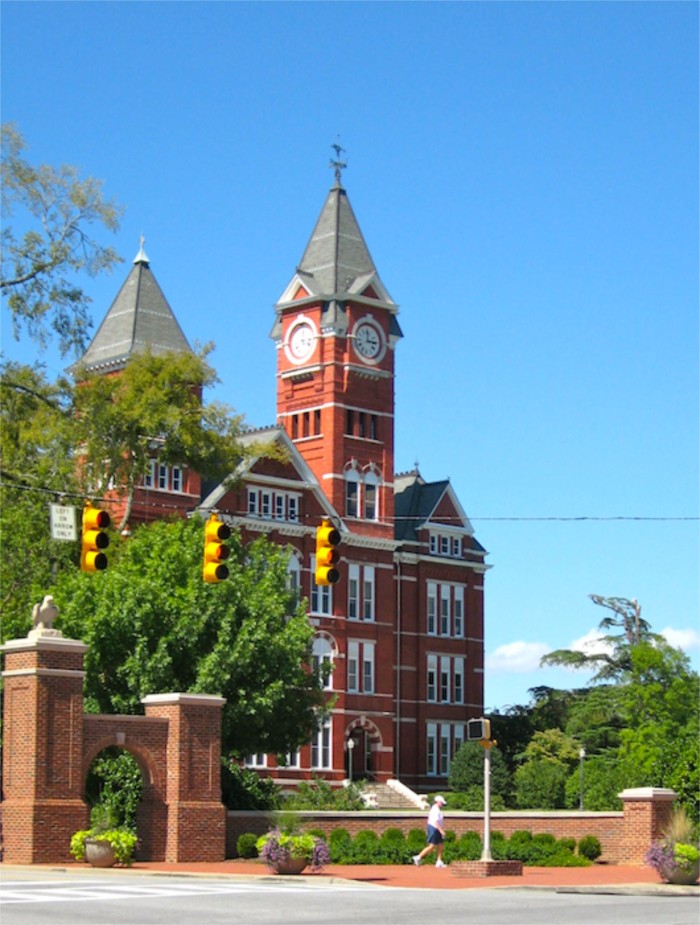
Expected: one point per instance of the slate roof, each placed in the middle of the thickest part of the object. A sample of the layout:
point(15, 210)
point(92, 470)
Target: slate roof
point(415, 500)
point(139, 318)
point(337, 264)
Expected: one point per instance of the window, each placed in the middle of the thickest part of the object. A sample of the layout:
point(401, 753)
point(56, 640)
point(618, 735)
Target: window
point(444, 546)
point(458, 737)
point(444, 748)
point(321, 747)
point(317, 421)
point(360, 667)
point(294, 759)
point(445, 679)
point(432, 608)
point(456, 547)
point(321, 601)
point(266, 505)
point(352, 492)
point(432, 678)
point(458, 680)
point(459, 611)
point(349, 422)
point(445, 610)
point(162, 477)
point(322, 660)
point(373, 427)
point(176, 478)
point(368, 593)
point(149, 480)
point(294, 577)
point(353, 592)
point(433, 544)
point(252, 502)
point(258, 760)
point(353, 662)
point(368, 667)
point(292, 508)
point(362, 420)
point(279, 507)
point(431, 749)
point(371, 497)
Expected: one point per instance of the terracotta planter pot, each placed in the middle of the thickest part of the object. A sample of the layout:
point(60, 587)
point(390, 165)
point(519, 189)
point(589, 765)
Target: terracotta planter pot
point(292, 866)
point(99, 853)
point(683, 877)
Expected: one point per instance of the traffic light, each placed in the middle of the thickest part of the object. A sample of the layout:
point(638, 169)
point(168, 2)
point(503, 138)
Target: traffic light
point(95, 540)
point(478, 730)
point(215, 550)
point(327, 555)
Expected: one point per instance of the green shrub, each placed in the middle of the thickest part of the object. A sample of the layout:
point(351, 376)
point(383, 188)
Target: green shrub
point(244, 789)
point(567, 844)
point(469, 847)
point(366, 848)
point(589, 847)
point(415, 841)
point(393, 845)
point(471, 800)
point(246, 845)
point(543, 846)
point(499, 846)
point(563, 859)
point(340, 846)
point(520, 846)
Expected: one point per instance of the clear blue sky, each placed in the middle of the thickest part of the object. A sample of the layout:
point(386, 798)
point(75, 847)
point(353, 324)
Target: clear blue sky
point(526, 178)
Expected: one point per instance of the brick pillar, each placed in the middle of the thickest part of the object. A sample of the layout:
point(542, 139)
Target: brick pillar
point(646, 813)
point(196, 815)
point(43, 747)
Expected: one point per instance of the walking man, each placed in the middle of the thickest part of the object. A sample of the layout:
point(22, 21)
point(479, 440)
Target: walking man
point(436, 833)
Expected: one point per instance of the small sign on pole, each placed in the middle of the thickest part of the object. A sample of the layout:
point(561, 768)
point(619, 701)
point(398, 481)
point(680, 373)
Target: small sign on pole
point(63, 522)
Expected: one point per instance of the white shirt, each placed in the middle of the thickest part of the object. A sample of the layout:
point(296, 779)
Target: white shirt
point(435, 817)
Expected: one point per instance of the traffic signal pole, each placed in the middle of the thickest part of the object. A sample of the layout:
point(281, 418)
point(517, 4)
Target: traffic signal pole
point(486, 851)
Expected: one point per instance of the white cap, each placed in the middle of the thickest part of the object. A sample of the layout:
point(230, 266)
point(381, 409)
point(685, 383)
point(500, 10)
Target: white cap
point(439, 799)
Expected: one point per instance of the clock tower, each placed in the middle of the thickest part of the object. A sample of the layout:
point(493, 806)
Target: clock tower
point(335, 331)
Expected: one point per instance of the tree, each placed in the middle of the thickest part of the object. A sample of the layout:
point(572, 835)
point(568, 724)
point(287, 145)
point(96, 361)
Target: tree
point(36, 467)
point(39, 264)
point(467, 770)
point(540, 784)
point(609, 664)
point(153, 407)
point(154, 626)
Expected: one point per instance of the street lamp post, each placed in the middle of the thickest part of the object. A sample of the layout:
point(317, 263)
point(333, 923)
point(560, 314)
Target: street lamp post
point(351, 745)
point(581, 755)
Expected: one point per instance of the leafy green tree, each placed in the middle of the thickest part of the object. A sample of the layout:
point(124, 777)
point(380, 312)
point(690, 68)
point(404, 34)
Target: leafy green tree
point(540, 784)
point(467, 771)
point(611, 664)
point(154, 626)
point(552, 745)
point(36, 467)
point(39, 265)
point(154, 405)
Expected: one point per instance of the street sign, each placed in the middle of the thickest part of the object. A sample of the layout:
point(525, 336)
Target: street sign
point(63, 522)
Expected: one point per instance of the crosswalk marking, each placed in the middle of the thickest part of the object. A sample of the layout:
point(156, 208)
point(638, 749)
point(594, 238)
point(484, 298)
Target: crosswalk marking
point(28, 892)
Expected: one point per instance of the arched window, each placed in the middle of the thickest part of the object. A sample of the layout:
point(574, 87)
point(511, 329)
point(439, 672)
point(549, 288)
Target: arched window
point(371, 496)
point(352, 493)
point(322, 660)
point(294, 576)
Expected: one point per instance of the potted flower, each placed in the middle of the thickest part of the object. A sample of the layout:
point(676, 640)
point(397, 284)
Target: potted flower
point(104, 844)
point(287, 853)
point(674, 856)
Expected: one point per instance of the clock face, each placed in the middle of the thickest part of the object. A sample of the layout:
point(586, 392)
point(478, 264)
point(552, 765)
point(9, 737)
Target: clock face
point(368, 341)
point(301, 342)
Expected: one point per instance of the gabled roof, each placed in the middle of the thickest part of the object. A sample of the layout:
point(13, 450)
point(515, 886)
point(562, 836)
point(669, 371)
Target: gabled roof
point(416, 502)
point(139, 318)
point(261, 437)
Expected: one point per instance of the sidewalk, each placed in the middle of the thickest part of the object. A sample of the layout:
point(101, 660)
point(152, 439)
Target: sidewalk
point(599, 878)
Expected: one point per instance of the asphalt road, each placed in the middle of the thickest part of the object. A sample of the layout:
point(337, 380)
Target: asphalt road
point(55, 898)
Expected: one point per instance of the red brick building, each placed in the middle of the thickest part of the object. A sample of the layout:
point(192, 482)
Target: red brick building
point(404, 625)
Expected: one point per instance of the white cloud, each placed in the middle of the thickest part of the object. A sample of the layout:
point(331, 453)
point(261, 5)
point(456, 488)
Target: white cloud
point(682, 639)
point(517, 656)
point(592, 643)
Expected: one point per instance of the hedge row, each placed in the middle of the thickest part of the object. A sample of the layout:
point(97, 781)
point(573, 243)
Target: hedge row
point(393, 847)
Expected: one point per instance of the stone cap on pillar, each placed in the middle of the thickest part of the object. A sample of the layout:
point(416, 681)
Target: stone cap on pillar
point(656, 794)
point(190, 700)
point(55, 643)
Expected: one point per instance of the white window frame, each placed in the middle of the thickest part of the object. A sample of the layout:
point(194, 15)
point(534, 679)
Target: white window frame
point(322, 652)
point(266, 505)
point(431, 749)
point(149, 479)
point(432, 608)
point(445, 743)
point(445, 610)
point(445, 673)
point(321, 755)
point(258, 760)
point(279, 506)
point(352, 503)
point(368, 667)
point(456, 547)
point(458, 611)
point(431, 679)
point(321, 597)
point(353, 591)
point(368, 594)
point(162, 477)
point(253, 502)
point(458, 679)
point(176, 479)
point(293, 508)
point(353, 681)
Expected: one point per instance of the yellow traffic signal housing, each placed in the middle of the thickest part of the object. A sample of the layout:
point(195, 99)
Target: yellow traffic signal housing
point(95, 540)
point(215, 550)
point(327, 555)
point(478, 730)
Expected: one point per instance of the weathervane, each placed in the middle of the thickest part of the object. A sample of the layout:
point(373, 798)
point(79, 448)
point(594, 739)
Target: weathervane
point(337, 164)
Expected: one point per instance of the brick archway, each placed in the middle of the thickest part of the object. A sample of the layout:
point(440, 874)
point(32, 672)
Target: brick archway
point(50, 744)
